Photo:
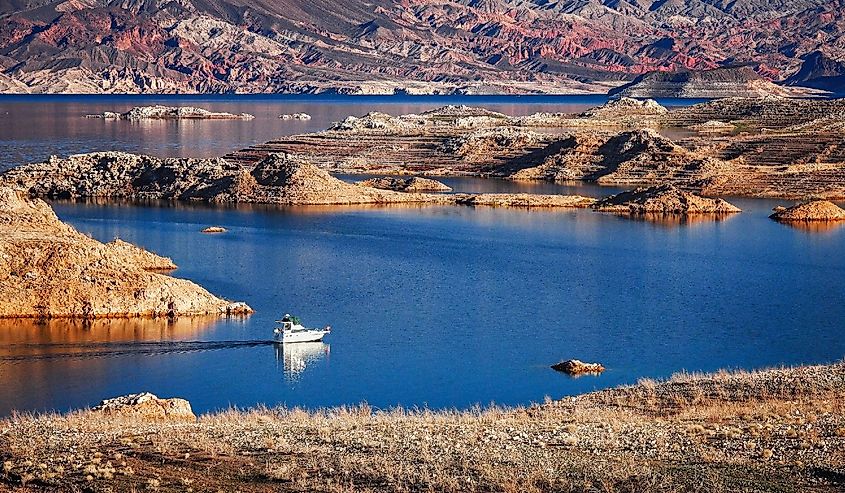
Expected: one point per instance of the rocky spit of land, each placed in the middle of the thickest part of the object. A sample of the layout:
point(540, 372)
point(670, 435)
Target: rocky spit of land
point(48, 269)
point(772, 430)
point(663, 199)
point(525, 200)
point(159, 112)
point(811, 211)
point(716, 83)
point(281, 179)
point(400, 184)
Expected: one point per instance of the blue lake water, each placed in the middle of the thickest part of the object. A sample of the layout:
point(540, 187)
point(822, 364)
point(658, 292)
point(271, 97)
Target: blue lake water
point(442, 306)
point(431, 306)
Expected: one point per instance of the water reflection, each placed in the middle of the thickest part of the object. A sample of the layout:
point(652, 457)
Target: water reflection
point(814, 226)
point(16, 333)
point(677, 220)
point(296, 358)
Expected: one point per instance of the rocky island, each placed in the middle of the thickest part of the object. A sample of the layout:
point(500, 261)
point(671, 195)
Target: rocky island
point(159, 112)
point(664, 199)
point(412, 184)
point(771, 430)
point(48, 269)
point(811, 211)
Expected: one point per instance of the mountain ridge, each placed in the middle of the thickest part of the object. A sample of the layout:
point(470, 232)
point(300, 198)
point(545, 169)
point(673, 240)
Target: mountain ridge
point(415, 46)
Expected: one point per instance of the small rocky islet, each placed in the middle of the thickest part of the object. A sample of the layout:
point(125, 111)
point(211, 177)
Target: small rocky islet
point(160, 112)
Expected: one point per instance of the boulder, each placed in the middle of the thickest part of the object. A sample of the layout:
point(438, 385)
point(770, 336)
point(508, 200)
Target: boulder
point(214, 229)
point(814, 210)
point(147, 407)
point(578, 367)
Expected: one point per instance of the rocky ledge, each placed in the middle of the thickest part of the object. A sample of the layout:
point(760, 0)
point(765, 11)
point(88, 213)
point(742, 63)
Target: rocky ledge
point(48, 269)
point(413, 184)
point(815, 211)
point(664, 199)
point(159, 112)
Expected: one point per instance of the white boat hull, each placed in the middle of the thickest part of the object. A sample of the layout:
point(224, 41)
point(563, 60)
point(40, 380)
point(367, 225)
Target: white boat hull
point(302, 336)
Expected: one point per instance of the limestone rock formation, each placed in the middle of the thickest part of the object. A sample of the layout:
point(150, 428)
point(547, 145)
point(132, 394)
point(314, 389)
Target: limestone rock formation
point(277, 179)
point(412, 184)
point(664, 199)
point(48, 269)
point(141, 258)
point(814, 210)
point(295, 116)
point(146, 407)
point(716, 83)
point(159, 112)
point(578, 367)
point(625, 107)
point(527, 200)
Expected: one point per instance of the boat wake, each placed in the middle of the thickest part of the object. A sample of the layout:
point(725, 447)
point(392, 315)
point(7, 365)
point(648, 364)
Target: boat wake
point(49, 351)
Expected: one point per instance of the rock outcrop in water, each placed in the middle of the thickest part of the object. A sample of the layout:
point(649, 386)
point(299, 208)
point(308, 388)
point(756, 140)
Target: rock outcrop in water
point(812, 211)
point(48, 269)
point(159, 112)
point(664, 199)
point(412, 184)
point(577, 367)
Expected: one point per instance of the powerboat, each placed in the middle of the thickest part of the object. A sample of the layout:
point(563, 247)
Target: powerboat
point(290, 330)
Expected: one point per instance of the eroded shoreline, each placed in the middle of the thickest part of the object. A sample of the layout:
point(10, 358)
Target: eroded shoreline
point(729, 431)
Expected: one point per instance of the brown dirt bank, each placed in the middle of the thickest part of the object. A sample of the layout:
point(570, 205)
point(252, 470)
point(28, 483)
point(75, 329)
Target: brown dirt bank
point(48, 269)
point(773, 430)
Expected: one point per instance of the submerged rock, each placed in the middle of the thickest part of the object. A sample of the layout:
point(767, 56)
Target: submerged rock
point(578, 367)
point(814, 210)
point(147, 407)
point(159, 112)
point(48, 269)
point(664, 199)
point(412, 184)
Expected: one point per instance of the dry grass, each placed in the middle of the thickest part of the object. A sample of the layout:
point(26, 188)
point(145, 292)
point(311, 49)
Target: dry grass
point(778, 430)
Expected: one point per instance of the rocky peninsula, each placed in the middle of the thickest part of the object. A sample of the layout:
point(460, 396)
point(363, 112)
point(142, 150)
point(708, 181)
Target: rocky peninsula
point(280, 179)
point(159, 112)
point(761, 147)
point(772, 430)
point(48, 269)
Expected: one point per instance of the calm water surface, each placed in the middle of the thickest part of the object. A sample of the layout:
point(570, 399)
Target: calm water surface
point(441, 306)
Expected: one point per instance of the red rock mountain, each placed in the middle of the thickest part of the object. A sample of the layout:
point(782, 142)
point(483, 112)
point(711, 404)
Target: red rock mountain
point(364, 46)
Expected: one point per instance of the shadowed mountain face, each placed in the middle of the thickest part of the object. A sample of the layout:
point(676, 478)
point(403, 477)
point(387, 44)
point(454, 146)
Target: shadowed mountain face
point(379, 46)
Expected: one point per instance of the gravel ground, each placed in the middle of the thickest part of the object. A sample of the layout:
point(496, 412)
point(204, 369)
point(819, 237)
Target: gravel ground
point(774, 430)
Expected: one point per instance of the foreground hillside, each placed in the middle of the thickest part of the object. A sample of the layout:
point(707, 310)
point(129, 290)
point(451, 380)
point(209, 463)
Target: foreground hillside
point(775, 430)
point(420, 46)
